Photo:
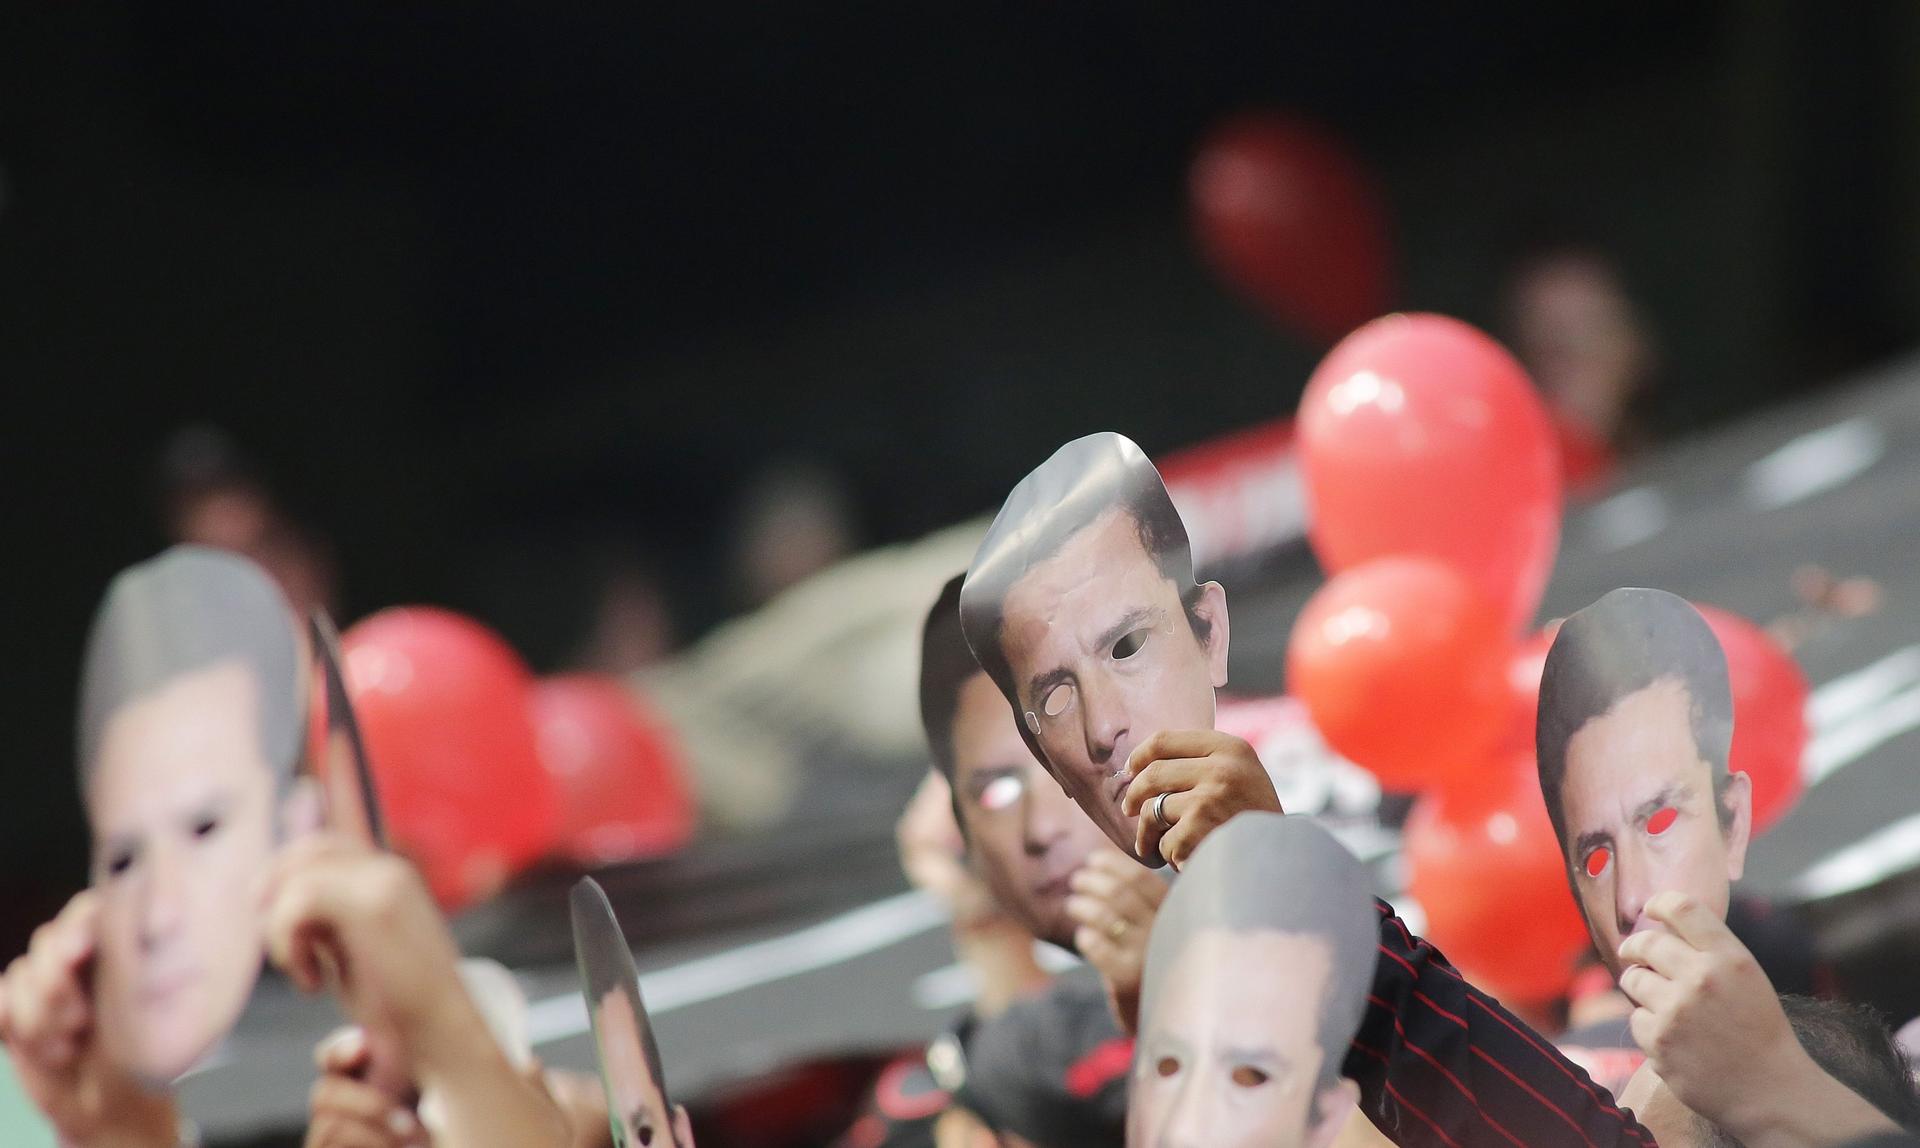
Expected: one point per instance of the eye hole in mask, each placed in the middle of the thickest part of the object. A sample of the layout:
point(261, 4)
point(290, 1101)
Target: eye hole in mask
point(1000, 793)
point(1057, 700)
point(1598, 860)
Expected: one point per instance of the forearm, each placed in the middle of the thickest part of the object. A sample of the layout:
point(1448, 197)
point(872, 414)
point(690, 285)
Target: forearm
point(486, 1102)
point(1436, 1058)
point(1810, 1109)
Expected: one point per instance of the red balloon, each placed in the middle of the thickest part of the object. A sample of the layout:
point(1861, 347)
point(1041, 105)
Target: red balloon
point(1400, 662)
point(1769, 714)
point(623, 794)
point(1291, 218)
point(443, 704)
point(1524, 668)
point(1488, 872)
point(1421, 435)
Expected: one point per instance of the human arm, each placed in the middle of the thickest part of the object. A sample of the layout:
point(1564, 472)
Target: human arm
point(47, 1024)
point(1439, 1061)
point(343, 916)
point(1712, 1027)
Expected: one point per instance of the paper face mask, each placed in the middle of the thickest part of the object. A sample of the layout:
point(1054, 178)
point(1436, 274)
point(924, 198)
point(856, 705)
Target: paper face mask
point(341, 766)
point(1635, 721)
point(637, 1104)
point(189, 734)
point(1082, 606)
point(1256, 979)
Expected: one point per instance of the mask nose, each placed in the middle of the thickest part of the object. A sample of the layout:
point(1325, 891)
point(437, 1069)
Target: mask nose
point(1189, 1122)
point(162, 893)
point(1631, 890)
point(1104, 717)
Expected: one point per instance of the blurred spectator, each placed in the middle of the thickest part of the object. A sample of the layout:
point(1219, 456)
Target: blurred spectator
point(632, 625)
point(793, 520)
point(1578, 332)
point(211, 495)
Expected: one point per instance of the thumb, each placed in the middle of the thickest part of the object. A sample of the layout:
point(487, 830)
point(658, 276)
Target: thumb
point(343, 1052)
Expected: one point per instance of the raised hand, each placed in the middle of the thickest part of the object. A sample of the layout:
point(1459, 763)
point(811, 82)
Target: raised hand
point(1113, 905)
point(47, 1023)
point(1712, 1028)
point(1186, 784)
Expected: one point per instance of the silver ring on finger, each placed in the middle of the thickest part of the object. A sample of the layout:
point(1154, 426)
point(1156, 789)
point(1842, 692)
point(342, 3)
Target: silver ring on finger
point(1159, 808)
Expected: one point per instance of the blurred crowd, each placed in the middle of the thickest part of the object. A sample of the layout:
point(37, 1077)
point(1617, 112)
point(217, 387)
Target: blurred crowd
point(1172, 939)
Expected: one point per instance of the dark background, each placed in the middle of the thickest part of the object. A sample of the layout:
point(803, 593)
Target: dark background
point(476, 282)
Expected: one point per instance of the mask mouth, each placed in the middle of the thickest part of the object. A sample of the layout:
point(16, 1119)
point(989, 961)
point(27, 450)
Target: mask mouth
point(164, 986)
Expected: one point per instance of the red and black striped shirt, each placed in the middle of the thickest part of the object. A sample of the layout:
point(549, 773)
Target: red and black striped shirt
point(1439, 1062)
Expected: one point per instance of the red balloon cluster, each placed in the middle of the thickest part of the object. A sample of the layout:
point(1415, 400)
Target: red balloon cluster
point(443, 704)
point(1421, 435)
point(1433, 493)
point(1290, 218)
point(1433, 487)
point(616, 768)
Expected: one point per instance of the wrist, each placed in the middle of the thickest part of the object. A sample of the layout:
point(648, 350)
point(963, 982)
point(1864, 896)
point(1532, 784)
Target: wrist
point(451, 1046)
point(1773, 1107)
point(1803, 1107)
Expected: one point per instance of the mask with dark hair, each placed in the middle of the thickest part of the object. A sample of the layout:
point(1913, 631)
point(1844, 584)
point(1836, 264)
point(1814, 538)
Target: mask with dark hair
point(1082, 608)
point(1080, 484)
point(1630, 639)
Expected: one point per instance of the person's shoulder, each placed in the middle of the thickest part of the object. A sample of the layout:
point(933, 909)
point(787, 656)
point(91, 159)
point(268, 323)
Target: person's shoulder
point(1052, 1068)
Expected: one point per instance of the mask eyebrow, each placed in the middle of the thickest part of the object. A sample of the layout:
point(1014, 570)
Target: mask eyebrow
point(1265, 1059)
point(1130, 621)
point(1041, 683)
point(211, 805)
point(1669, 795)
point(1165, 1043)
point(1589, 841)
point(121, 844)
